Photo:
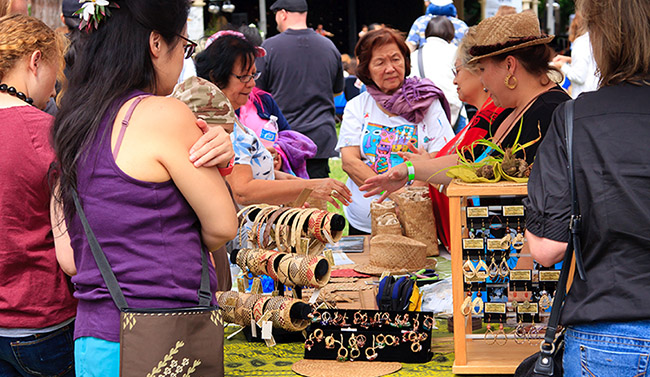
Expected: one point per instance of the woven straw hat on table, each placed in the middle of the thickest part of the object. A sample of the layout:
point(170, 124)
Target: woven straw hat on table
point(395, 254)
point(497, 35)
point(328, 368)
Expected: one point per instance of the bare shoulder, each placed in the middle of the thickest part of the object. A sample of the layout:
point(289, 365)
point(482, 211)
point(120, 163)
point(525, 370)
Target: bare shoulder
point(169, 117)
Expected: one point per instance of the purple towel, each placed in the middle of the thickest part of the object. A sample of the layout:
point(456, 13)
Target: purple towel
point(295, 148)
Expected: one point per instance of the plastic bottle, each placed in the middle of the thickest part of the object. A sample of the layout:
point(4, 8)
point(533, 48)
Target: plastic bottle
point(269, 132)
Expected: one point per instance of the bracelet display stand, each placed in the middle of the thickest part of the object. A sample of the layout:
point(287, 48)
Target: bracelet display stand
point(497, 351)
point(370, 335)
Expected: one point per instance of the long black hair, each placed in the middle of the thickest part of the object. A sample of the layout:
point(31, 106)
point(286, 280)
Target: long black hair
point(216, 62)
point(113, 60)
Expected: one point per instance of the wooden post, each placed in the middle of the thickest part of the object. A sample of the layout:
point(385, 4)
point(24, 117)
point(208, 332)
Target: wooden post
point(48, 11)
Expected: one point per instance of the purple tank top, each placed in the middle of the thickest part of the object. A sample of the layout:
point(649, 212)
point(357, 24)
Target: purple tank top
point(147, 230)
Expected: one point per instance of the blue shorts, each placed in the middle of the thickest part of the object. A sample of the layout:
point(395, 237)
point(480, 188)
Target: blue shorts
point(607, 349)
point(96, 357)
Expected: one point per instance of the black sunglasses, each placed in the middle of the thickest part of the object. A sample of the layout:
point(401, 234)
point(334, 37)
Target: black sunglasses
point(189, 47)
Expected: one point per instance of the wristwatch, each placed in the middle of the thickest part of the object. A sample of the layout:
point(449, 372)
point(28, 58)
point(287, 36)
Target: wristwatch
point(228, 169)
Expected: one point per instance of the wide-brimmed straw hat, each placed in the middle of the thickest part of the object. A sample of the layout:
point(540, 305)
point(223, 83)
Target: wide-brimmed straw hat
point(395, 254)
point(497, 35)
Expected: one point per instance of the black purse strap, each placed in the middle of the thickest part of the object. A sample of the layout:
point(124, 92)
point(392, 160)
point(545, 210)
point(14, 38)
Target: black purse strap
point(545, 362)
point(109, 277)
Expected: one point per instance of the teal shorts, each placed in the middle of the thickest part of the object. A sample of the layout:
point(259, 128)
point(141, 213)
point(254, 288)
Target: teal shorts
point(94, 357)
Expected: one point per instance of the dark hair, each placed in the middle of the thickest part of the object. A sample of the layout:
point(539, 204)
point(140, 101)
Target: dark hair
point(216, 62)
point(440, 27)
point(252, 34)
point(111, 61)
point(534, 59)
point(376, 38)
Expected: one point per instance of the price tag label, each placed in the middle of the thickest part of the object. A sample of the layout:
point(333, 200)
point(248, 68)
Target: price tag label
point(329, 256)
point(267, 329)
point(257, 286)
point(474, 279)
point(513, 210)
point(553, 275)
point(265, 317)
point(495, 307)
point(521, 275)
point(527, 308)
point(242, 284)
point(270, 342)
point(473, 243)
point(253, 328)
point(477, 211)
point(314, 296)
point(494, 244)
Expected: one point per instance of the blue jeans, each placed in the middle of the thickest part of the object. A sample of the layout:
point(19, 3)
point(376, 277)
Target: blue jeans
point(607, 349)
point(43, 355)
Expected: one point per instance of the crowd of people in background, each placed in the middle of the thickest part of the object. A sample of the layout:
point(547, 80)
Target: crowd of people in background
point(164, 145)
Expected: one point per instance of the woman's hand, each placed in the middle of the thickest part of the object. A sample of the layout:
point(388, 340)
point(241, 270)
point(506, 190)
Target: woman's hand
point(415, 154)
point(387, 183)
point(213, 148)
point(331, 190)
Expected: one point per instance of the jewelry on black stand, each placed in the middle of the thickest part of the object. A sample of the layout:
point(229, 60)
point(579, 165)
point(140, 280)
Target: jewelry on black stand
point(13, 92)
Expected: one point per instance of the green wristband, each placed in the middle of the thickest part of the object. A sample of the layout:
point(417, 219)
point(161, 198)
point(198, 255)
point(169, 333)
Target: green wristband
point(411, 172)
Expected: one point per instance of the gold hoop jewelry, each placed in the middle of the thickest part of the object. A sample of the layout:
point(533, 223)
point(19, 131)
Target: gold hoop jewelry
point(500, 332)
point(481, 269)
point(357, 318)
point(373, 355)
point(518, 241)
point(381, 342)
point(469, 271)
point(329, 341)
point(477, 303)
point(519, 333)
point(506, 241)
point(352, 341)
point(342, 354)
point(327, 316)
point(416, 347)
point(390, 340)
point(489, 335)
point(318, 335)
point(466, 307)
point(493, 270)
point(504, 269)
point(309, 344)
point(507, 81)
point(361, 340)
point(354, 354)
point(427, 324)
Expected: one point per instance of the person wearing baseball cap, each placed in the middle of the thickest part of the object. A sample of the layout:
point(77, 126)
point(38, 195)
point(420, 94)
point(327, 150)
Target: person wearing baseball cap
point(317, 69)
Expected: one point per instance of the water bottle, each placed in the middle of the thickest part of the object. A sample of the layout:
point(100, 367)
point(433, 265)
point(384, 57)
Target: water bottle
point(269, 132)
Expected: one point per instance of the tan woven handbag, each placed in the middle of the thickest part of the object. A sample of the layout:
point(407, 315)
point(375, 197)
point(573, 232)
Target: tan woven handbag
point(416, 216)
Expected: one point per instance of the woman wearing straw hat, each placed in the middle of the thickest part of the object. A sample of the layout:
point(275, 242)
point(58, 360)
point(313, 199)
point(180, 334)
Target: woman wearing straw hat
point(512, 57)
point(607, 315)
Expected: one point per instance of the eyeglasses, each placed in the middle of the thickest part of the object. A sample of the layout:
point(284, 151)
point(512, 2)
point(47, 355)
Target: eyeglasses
point(189, 47)
point(246, 78)
point(455, 70)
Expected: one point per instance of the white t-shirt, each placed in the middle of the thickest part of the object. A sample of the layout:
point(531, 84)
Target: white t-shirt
point(438, 58)
point(582, 70)
point(379, 138)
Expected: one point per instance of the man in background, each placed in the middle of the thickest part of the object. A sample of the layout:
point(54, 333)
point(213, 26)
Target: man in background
point(416, 37)
point(303, 71)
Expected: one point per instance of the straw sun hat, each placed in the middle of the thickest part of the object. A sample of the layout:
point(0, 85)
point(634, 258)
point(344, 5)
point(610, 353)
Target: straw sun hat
point(395, 254)
point(496, 35)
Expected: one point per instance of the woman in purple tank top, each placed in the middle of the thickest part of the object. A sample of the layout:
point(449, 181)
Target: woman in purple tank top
point(123, 146)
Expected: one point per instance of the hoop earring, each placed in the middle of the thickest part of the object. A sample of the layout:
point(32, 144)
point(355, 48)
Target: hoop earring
point(507, 82)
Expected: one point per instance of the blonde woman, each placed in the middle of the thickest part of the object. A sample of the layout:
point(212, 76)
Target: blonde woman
point(37, 309)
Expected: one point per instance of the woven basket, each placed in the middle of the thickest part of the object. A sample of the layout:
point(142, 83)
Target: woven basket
point(416, 216)
point(388, 224)
point(377, 210)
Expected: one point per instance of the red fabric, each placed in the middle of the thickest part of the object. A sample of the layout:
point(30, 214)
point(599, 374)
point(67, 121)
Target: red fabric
point(476, 129)
point(34, 290)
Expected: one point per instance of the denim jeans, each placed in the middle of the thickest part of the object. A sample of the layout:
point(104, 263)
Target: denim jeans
point(43, 355)
point(607, 349)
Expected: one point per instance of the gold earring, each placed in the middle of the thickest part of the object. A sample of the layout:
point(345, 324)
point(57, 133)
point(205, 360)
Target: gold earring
point(507, 81)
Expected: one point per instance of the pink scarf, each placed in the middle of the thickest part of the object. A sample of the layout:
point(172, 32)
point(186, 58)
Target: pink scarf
point(412, 100)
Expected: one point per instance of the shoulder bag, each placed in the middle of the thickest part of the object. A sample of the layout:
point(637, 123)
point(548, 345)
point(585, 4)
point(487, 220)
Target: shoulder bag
point(153, 342)
point(548, 362)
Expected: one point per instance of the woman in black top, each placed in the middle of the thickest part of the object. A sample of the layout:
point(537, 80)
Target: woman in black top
point(608, 314)
point(512, 56)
